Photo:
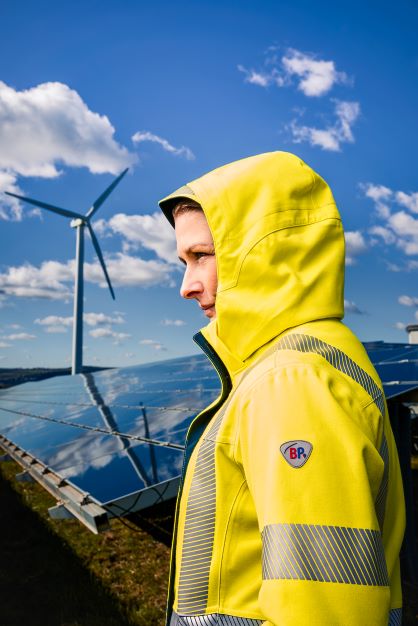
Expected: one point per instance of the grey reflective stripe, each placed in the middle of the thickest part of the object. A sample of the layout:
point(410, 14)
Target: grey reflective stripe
point(380, 503)
point(333, 554)
point(395, 617)
point(213, 619)
point(343, 363)
point(338, 359)
point(199, 529)
point(187, 191)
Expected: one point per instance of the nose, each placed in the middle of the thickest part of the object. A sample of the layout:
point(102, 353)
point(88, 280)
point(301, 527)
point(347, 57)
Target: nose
point(190, 287)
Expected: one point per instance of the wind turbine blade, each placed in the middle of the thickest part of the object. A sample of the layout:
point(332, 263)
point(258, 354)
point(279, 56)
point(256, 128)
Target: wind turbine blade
point(98, 203)
point(48, 207)
point(100, 256)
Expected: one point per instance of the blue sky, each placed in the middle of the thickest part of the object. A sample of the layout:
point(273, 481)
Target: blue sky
point(173, 90)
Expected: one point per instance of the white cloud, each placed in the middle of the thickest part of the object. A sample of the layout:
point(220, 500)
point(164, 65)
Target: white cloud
point(380, 195)
point(316, 77)
point(331, 137)
point(262, 79)
point(398, 227)
point(50, 124)
point(408, 200)
point(376, 192)
point(408, 301)
point(57, 324)
point(149, 231)
point(347, 113)
point(108, 332)
point(406, 227)
point(173, 322)
point(43, 282)
point(325, 139)
point(144, 135)
point(393, 267)
point(19, 337)
point(3, 344)
point(386, 234)
point(55, 330)
point(153, 344)
point(355, 245)
point(10, 208)
point(130, 271)
point(48, 281)
point(400, 326)
point(54, 320)
point(351, 307)
point(94, 319)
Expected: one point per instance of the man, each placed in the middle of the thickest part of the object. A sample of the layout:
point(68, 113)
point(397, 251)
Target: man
point(291, 506)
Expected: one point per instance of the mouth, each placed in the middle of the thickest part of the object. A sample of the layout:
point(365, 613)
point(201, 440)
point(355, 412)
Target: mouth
point(208, 309)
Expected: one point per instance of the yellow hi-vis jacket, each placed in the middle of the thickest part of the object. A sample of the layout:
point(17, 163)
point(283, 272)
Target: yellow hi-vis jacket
point(291, 508)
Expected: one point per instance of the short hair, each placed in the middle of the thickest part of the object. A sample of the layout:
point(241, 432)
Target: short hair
point(184, 206)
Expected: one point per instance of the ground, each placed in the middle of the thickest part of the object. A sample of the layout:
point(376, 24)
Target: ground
point(57, 573)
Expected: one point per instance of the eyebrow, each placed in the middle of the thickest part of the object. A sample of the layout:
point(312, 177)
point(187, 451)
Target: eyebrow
point(191, 249)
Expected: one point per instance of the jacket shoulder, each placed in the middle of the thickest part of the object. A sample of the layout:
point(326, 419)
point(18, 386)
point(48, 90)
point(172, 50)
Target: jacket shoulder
point(330, 349)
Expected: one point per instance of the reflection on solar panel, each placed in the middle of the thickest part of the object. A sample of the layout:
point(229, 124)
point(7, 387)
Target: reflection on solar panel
point(397, 366)
point(108, 443)
point(111, 443)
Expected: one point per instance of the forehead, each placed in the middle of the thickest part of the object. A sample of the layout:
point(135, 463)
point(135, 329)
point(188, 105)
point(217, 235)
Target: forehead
point(192, 227)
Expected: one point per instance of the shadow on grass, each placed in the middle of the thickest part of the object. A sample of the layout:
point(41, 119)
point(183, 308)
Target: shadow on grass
point(43, 583)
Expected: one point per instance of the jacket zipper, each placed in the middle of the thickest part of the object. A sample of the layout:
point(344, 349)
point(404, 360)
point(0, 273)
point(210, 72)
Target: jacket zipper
point(226, 383)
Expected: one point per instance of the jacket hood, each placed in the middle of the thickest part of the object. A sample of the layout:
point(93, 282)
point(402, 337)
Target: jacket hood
point(279, 247)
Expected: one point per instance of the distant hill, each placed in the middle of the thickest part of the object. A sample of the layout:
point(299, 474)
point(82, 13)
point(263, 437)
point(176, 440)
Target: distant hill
point(16, 376)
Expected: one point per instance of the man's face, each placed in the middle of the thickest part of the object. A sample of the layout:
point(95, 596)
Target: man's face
point(196, 250)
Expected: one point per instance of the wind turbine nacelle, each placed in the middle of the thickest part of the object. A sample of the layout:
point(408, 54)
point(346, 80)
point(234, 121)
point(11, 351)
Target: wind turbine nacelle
point(77, 222)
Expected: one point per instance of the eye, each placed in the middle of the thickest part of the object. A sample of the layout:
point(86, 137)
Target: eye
point(203, 254)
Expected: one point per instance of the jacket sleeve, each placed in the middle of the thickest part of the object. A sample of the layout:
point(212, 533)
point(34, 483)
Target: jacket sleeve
point(322, 561)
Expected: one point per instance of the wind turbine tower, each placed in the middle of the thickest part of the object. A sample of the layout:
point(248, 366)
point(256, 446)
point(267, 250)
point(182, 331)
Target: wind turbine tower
point(80, 222)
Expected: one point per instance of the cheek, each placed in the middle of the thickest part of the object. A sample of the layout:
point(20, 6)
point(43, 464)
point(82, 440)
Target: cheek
point(213, 277)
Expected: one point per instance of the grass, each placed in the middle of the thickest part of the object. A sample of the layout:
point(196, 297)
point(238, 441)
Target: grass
point(57, 573)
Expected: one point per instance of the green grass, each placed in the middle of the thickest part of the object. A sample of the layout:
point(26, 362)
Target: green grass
point(57, 573)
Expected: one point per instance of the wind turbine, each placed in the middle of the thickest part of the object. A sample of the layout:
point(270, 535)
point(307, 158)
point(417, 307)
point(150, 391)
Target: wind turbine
point(79, 222)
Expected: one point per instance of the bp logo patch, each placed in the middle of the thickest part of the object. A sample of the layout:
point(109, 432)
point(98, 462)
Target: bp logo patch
point(296, 452)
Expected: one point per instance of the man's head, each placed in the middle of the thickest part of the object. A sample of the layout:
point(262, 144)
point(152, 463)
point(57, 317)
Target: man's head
point(196, 251)
point(279, 244)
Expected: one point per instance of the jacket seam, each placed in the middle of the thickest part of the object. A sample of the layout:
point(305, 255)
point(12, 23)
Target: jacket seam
point(285, 226)
point(373, 400)
point(238, 495)
point(339, 374)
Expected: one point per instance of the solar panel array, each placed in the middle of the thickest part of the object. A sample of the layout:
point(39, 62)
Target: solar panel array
point(116, 437)
point(115, 433)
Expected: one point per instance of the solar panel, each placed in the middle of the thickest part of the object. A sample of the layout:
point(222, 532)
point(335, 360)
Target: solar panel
point(116, 437)
point(111, 443)
point(397, 366)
